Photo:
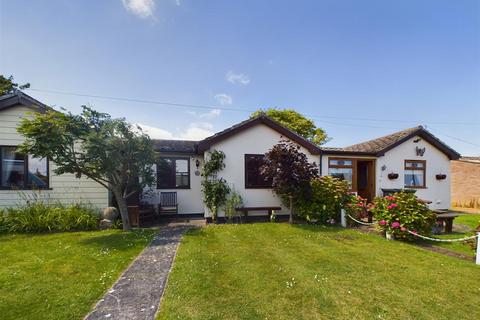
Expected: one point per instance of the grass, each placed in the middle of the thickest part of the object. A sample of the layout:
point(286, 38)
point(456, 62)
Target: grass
point(61, 275)
point(470, 220)
point(280, 271)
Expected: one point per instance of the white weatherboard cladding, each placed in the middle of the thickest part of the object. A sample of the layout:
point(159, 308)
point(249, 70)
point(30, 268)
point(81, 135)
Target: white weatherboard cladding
point(65, 188)
point(189, 200)
point(437, 191)
point(258, 139)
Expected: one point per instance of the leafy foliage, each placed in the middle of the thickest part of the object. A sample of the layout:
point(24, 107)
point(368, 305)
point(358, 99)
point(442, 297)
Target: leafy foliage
point(290, 172)
point(109, 151)
point(42, 217)
point(327, 197)
point(233, 201)
point(401, 212)
point(356, 207)
point(295, 122)
point(215, 190)
point(8, 86)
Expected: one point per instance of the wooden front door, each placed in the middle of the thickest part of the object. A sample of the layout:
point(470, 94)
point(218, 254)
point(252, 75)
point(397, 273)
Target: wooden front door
point(365, 180)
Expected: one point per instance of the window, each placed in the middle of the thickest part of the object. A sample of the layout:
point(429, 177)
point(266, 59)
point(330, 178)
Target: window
point(19, 171)
point(173, 173)
point(341, 169)
point(253, 178)
point(415, 173)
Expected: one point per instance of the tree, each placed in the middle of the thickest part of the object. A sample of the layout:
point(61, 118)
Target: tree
point(290, 172)
point(295, 122)
point(8, 86)
point(109, 151)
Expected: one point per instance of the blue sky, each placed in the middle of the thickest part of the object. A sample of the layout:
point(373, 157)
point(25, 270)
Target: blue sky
point(361, 69)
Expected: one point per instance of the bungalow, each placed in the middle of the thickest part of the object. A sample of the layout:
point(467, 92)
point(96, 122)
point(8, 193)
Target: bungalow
point(412, 158)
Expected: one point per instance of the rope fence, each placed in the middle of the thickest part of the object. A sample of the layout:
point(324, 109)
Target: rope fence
point(476, 236)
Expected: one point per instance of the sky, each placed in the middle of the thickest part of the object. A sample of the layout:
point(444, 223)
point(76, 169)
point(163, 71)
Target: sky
point(184, 69)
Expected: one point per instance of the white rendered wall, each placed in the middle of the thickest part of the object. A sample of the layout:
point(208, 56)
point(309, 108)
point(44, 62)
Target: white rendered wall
point(255, 140)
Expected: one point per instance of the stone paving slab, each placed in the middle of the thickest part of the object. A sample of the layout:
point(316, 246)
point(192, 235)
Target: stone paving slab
point(137, 293)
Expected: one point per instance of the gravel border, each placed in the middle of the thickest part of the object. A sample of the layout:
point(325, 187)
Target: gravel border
point(137, 293)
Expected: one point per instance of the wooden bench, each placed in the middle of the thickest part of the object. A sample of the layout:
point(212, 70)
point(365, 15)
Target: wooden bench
point(246, 210)
point(168, 203)
point(447, 218)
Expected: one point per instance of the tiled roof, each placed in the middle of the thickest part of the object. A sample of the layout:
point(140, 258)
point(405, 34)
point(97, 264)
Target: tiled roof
point(18, 97)
point(175, 146)
point(378, 146)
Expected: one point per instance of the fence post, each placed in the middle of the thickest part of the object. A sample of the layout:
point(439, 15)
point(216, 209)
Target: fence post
point(343, 218)
point(477, 259)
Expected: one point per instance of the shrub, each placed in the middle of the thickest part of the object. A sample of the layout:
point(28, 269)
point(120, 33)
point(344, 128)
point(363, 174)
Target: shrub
point(234, 200)
point(327, 197)
point(401, 212)
point(355, 206)
point(42, 217)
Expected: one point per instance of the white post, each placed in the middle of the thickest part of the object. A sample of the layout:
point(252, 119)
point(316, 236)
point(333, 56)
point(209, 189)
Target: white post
point(343, 218)
point(478, 249)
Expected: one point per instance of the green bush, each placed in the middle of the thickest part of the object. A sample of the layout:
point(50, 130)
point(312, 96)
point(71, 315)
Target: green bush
point(323, 205)
point(401, 212)
point(42, 217)
point(355, 206)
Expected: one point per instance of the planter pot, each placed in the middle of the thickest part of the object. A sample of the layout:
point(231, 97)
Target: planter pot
point(441, 176)
point(389, 236)
point(393, 176)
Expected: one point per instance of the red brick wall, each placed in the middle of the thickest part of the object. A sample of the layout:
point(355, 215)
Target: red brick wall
point(465, 181)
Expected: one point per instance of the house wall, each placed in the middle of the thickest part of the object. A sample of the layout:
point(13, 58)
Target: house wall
point(189, 200)
point(437, 191)
point(255, 140)
point(65, 188)
point(465, 181)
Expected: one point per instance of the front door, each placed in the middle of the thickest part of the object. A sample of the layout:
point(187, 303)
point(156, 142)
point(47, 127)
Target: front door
point(366, 179)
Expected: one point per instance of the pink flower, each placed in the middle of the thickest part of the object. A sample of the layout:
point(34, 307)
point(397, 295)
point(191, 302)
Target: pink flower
point(382, 222)
point(393, 205)
point(390, 198)
point(395, 224)
point(403, 229)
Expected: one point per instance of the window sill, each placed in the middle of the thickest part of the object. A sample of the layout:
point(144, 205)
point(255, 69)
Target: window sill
point(418, 187)
point(258, 187)
point(175, 188)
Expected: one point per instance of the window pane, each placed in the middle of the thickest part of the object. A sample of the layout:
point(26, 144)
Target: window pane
point(13, 168)
point(413, 178)
point(414, 164)
point(165, 173)
point(252, 172)
point(181, 173)
point(340, 162)
point(342, 174)
point(37, 172)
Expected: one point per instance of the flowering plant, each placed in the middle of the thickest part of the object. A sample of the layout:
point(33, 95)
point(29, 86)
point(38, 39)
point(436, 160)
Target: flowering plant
point(401, 212)
point(355, 206)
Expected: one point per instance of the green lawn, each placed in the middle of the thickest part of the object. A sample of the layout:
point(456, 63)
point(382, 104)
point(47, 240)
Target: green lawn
point(61, 275)
point(469, 220)
point(280, 271)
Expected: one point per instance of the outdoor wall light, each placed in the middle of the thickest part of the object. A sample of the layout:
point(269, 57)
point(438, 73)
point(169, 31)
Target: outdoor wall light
point(197, 163)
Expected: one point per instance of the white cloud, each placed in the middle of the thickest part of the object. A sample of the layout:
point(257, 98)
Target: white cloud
point(140, 8)
point(195, 131)
point(223, 99)
point(177, 2)
point(155, 133)
point(237, 78)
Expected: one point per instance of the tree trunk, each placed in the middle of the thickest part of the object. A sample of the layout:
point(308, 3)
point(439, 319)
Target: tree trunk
point(123, 208)
point(290, 218)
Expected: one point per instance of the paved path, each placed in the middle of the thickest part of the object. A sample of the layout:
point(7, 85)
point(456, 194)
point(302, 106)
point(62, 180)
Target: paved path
point(137, 293)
